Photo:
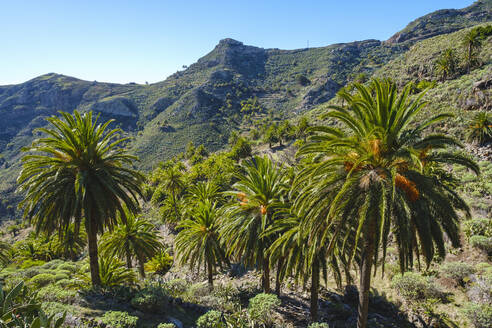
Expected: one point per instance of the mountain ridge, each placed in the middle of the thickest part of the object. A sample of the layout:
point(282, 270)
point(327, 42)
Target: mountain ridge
point(201, 103)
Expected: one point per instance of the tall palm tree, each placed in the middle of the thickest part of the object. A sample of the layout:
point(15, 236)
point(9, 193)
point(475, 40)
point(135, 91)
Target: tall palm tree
point(135, 239)
point(4, 253)
point(472, 42)
point(79, 174)
point(259, 188)
point(372, 173)
point(198, 241)
point(172, 180)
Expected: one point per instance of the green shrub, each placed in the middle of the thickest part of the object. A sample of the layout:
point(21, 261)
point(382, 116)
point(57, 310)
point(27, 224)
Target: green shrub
point(176, 287)
point(319, 325)
point(68, 266)
point(413, 287)
point(31, 263)
point(482, 242)
point(117, 319)
point(67, 283)
point(52, 265)
point(54, 308)
point(151, 299)
point(53, 293)
point(211, 319)
point(479, 315)
point(31, 272)
point(166, 325)
point(261, 308)
point(484, 268)
point(61, 276)
point(478, 226)
point(458, 271)
point(42, 280)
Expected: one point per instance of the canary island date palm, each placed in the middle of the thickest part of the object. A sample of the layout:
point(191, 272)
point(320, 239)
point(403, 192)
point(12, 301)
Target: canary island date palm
point(78, 173)
point(171, 180)
point(4, 253)
point(203, 191)
point(472, 43)
point(198, 243)
point(136, 239)
point(259, 188)
point(372, 172)
point(302, 255)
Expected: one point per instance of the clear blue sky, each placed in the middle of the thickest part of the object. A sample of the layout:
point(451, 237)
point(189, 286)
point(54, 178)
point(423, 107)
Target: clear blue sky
point(124, 41)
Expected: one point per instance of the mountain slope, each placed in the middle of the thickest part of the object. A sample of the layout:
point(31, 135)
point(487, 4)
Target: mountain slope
point(203, 102)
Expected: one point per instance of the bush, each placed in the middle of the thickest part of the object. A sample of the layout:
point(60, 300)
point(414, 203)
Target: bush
point(458, 271)
point(319, 325)
point(478, 226)
point(413, 286)
point(30, 263)
point(166, 325)
point(42, 280)
point(61, 276)
point(479, 315)
point(67, 266)
point(482, 242)
point(66, 283)
point(54, 308)
point(261, 308)
point(151, 299)
point(31, 272)
point(176, 287)
point(52, 265)
point(117, 319)
point(55, 293)
point(211, 319)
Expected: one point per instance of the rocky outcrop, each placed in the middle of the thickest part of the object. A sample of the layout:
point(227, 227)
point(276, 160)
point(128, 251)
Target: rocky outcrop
point(444, 21)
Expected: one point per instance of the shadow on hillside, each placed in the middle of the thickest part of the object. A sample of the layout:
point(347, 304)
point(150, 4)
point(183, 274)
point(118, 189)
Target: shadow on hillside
point(340, 310)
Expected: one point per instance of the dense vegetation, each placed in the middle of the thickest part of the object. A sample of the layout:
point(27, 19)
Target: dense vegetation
point(390, 176)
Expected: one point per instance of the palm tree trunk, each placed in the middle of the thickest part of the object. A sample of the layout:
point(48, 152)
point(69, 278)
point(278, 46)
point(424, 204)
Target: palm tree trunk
point(141, 263)
point(314, 291)
point(210, 275)
point(365, 273)
point(278, 282)
point(128, 260)
point(266, 275)
point(93, 256)
point(175, 207)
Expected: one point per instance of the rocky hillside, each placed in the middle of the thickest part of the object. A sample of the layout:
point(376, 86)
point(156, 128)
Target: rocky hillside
point(203, 102)
point(444, 21)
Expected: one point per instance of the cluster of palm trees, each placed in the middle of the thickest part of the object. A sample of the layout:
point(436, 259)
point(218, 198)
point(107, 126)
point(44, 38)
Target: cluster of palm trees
point(370, 177)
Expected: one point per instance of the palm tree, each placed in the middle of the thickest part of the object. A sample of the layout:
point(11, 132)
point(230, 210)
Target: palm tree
point(372, 173)
point(259, 188)
point(203, 191)
point(69, 245)
point(135, 239)
point(172, 181)
point(198, 241)
point(480, 128)
point(446, 64)
point(113, 273)
point(4, 253)
point(303, 256)
point(79, 174)
point(471, 42)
